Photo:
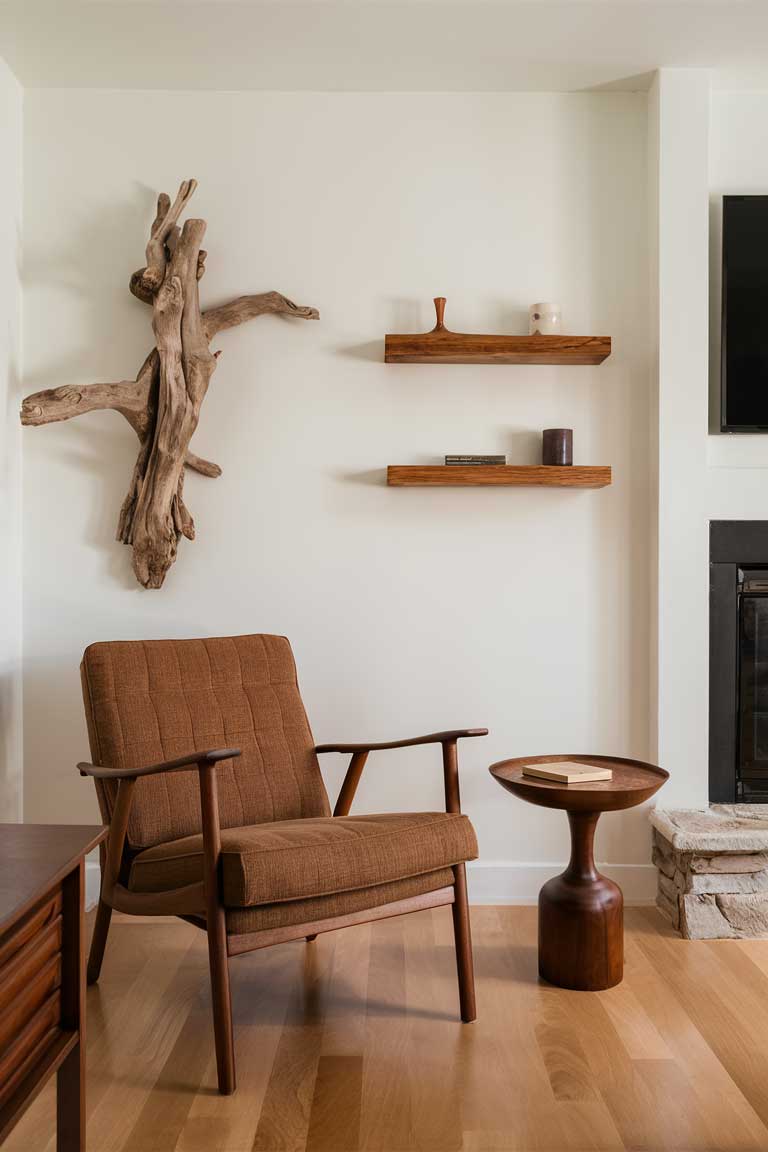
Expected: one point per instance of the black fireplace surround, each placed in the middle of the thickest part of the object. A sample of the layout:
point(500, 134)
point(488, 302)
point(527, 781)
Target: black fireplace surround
point(738, 661)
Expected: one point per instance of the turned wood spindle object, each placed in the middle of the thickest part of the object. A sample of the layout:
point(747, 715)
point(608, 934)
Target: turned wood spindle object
point(439, 312)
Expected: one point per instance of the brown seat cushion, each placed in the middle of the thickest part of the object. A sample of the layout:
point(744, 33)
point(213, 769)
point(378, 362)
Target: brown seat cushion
point(265, 916)
point(300, 859)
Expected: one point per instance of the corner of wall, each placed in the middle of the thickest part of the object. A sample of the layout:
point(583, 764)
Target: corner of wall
point(653, 105)
point(10, 446)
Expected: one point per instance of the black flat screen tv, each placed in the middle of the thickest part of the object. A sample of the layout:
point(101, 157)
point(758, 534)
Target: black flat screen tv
point(744, 332)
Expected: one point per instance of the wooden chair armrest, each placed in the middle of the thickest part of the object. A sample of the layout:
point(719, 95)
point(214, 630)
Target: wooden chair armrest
point(432, 738)
point(193, 759)
point(360, 755)
point(209, 805)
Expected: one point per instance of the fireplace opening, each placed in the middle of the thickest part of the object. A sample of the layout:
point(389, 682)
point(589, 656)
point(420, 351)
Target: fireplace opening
point(752, 686)
point(738, 654)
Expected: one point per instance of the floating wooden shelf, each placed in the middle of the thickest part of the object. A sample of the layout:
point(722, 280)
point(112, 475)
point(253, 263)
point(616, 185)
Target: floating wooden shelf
point(498, 475)
point(440, 346)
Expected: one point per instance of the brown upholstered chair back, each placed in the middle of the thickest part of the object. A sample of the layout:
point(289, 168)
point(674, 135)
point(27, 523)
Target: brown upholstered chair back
point(146, 702)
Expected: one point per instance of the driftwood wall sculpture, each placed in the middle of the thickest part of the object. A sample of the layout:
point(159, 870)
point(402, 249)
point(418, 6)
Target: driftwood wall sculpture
point(163, 403)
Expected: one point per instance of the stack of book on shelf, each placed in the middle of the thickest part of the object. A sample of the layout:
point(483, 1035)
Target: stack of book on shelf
point(567, 772)
point(465, 460)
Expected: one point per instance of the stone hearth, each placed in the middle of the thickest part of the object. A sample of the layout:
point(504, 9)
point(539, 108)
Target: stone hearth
point(713, 870)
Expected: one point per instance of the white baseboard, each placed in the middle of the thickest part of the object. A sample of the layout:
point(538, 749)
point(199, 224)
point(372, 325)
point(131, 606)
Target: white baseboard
point(515, 882)
point(493, 882)
point(92, 883)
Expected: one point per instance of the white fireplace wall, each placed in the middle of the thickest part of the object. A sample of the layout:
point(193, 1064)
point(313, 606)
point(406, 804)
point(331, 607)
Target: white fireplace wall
point(712, 141)
point(737, 476)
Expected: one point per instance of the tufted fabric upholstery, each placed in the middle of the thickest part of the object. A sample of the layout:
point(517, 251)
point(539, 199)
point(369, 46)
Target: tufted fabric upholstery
point(303, 859)
point(148, 701)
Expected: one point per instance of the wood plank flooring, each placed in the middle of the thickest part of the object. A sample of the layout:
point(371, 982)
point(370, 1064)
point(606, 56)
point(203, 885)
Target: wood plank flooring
point(353, 1043)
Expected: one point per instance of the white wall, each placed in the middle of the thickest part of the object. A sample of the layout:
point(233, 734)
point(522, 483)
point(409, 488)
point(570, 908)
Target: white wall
point(10, 447)
point(409, 610)
point(680, 108)
point(738, 464)
point(717, 143)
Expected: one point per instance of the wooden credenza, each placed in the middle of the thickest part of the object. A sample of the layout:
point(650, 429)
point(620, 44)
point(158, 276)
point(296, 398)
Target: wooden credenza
point(42, 972)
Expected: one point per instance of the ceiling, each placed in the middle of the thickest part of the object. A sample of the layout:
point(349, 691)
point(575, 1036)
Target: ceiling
point(374, 45)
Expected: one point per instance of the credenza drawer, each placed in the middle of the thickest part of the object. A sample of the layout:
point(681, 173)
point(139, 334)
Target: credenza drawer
point(24, 966)
point(29, 926)
point(42, 975)
point(16, 1015)
point(30, 999)
point(29, 1045)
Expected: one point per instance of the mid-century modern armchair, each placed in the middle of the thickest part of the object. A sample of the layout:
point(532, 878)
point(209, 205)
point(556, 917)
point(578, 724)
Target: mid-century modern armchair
point(207, 774)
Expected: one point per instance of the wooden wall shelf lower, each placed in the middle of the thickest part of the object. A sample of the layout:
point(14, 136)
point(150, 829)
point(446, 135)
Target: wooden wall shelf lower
point(498, 475)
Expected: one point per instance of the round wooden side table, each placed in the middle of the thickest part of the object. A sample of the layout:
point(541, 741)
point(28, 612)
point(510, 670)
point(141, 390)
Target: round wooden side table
point(581, 913)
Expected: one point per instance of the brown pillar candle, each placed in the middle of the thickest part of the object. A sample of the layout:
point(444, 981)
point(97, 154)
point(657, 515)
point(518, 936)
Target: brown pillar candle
point(557, 446)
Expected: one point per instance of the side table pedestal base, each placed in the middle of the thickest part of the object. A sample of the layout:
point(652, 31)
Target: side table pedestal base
point(581, 934)
point(581, 919)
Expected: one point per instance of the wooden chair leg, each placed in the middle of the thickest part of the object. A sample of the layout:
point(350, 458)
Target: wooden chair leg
point(216, 922)
point(463, 938)
point(98, 941)
point(221, 1002)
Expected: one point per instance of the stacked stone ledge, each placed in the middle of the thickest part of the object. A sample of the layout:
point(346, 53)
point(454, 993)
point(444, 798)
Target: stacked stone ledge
point(713, 870)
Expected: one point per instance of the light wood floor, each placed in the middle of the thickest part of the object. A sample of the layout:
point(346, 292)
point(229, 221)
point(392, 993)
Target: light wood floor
point(353, 1043)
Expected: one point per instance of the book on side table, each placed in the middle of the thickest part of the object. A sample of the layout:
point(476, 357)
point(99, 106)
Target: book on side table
point(567, 772)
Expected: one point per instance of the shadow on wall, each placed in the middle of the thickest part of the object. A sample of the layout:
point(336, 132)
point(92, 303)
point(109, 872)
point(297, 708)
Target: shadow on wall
point(715, 306)
point(624, 443)
point(375, 477)
point(113, 327)
point(53, 703)
point(115, 336)
point(10, 572)
point(407, 315)
point(522, 446)
point(10, 747)
point(101, 446)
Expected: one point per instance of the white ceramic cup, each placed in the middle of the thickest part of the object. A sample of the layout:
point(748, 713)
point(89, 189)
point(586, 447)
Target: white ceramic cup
point(544, 318)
